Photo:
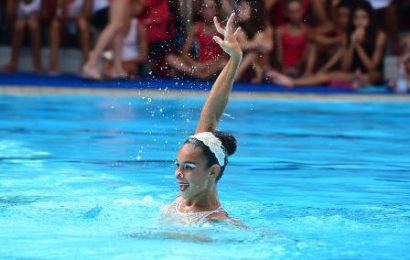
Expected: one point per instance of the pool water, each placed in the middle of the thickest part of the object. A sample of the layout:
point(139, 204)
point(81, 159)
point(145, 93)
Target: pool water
point(87, 177)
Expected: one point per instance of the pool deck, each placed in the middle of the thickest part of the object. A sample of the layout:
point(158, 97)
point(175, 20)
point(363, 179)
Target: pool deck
point(31, 84)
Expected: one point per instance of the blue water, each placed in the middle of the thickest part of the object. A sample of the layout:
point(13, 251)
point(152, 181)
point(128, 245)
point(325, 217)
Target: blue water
point(87, 176)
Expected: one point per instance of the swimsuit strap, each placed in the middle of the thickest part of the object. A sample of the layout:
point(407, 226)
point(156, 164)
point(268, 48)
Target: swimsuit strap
point(199, 216)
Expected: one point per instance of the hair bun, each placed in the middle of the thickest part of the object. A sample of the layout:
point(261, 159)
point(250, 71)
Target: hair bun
point(228, 141)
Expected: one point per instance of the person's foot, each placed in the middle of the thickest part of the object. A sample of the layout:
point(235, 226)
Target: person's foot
point(258, 75)
point(119, 73)
point(278, 78)
point(358, 80)
point(53, 73)
point(38, 70)
point(90, 72)
point(9, 68)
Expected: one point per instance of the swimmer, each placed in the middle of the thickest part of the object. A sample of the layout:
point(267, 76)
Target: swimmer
point(203, 157)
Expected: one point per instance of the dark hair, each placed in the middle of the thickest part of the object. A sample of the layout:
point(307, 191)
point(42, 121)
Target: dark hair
point(371, 30)
point(228, 144)
point(346, 4)
point(197, 9)
point(257, 21)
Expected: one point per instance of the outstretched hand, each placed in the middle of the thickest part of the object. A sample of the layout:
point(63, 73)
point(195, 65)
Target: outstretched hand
point(230, 43)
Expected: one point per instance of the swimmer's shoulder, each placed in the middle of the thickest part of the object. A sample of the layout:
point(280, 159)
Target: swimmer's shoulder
point(222, 216)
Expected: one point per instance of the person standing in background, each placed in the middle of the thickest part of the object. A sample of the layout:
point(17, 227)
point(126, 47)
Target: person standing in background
point(24, 14)
point(113, 32)
point(100, 14)
point(70, 13)
point(135, 46)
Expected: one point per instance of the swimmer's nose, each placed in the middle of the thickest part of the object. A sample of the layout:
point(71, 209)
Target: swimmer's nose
point(178, 174)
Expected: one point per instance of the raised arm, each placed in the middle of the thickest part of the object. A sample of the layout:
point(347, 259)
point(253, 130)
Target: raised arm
point(219, 94)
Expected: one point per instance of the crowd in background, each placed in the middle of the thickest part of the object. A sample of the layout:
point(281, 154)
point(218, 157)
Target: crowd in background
point(288, 42)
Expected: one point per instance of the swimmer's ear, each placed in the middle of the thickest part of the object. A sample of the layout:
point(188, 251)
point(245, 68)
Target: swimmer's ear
point(215, 170)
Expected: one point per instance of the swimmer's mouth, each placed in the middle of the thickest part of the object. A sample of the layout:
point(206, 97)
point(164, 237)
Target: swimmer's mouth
point(183, 186)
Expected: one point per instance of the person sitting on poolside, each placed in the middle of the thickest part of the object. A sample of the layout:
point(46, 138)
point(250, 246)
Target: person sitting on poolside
point(203, 157)
point(362, 62)
point(210, 58)
point(25, 14)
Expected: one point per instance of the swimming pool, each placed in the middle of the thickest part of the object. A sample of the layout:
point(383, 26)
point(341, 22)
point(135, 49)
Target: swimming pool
point(87, 176)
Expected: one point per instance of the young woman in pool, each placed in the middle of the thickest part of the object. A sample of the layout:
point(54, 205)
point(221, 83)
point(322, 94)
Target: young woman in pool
point(203, 157)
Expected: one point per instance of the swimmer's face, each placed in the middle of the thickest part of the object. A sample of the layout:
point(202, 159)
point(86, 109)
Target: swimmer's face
point(244, 12)
point(209, 10)
point(342, 17)
point(192, 173)
point(361, 19)
point(294, 11)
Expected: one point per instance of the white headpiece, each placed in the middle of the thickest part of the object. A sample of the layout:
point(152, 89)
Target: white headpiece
point(213, 143)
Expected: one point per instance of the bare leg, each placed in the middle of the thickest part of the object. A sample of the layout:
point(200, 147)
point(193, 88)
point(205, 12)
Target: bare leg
point(117, 12)
point(279, 78)
point(180, 64)
point(16, 42)
point(323, 78)
point(319, 11)
point(208, 69)
point(34, 26)
point(258, 73)
point(118, 71)
point(392, 25)
point(84, 29)
point(246, 62)
point(54, 45)
point(310, 60)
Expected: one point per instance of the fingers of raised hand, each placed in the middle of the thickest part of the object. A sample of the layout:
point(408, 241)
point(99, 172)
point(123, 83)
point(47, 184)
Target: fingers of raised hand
point(218, 26)
point(237, 32)
point(218, 40)
point(229, 24)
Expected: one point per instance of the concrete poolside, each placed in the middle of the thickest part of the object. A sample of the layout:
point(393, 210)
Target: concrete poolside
point(27, 83)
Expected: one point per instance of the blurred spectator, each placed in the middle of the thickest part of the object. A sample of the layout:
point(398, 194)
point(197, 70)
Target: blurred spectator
point(210, 58)
point(100, 14)
point(363, 54)
point(403, 67)
point(159, 24)
point(135, 46)
point(256, 39)
point(114, 32)
point(329, 37)
point(294, 51)
point(387, 14)
point(70, 13)
point(24, 14)
point(276, 10)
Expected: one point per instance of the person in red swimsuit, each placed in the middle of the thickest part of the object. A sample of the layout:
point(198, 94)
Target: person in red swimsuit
point(209, 58)
point(295, 55)
point(314, 13)
point(362, 58)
